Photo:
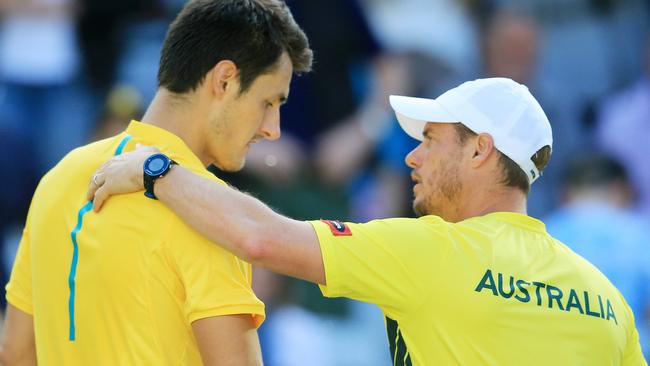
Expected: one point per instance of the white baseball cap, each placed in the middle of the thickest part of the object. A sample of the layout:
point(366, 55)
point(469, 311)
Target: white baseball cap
point(500, 107)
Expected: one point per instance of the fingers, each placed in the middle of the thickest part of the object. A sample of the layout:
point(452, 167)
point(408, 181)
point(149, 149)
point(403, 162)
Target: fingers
point(119, 175)
point(97, 191)
point(95, 182)
point(144, 148)
point(100, 196)
point(91, 190)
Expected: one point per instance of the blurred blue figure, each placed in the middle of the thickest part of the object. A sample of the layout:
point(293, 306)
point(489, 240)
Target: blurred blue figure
point(588, 47)
point(624, 127)
point(512, 47)
point(597, 223)
point(40, 75)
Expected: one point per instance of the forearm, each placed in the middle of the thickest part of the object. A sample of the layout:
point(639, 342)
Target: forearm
point(239, 223)
point(242, 224)
point(221, 214)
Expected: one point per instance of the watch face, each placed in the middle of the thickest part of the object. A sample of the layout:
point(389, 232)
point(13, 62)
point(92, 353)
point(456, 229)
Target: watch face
point(156, 165)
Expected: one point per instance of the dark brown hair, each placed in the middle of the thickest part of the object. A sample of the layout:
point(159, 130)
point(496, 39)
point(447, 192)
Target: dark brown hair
point(513, 175)
point(251, 33)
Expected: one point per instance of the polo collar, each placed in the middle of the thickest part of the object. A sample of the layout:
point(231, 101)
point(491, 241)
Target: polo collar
point(168, 143)
point(520, 220)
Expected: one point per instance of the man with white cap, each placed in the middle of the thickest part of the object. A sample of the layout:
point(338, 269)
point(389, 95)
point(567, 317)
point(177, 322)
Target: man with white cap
point(473, 280)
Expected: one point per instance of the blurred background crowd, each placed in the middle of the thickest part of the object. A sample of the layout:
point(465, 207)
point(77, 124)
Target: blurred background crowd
point(73, 71)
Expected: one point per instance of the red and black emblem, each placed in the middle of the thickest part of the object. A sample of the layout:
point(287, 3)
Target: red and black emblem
point(338, 228)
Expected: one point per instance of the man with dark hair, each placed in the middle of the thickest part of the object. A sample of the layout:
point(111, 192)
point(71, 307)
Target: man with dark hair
point(473, 281)
point(137, 286)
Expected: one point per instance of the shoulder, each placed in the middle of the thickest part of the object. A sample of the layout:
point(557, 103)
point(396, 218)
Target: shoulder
point(179, 236)
point(83, 160)
point(386, 229)
point(72, 173)
point(90, 154)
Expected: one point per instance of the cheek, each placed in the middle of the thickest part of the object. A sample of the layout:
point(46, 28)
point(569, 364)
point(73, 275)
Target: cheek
point(250, 117)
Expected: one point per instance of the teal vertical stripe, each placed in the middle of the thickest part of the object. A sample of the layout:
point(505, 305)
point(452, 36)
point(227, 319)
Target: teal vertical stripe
point(73, 266)
point(75, 251)
point(120, 147)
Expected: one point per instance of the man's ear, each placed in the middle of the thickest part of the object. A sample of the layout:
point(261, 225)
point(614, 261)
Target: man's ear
point(483, 146)
point(224, 78)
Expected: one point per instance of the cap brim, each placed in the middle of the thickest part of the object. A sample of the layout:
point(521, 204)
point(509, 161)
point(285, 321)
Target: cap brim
point(414, 113)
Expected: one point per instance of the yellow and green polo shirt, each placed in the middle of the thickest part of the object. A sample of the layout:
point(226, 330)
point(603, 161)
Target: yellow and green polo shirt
point(490, 290)
point(121, 287)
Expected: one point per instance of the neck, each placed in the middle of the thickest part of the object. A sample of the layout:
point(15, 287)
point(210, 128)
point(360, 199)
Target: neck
point(499, 199)
point(182, 117)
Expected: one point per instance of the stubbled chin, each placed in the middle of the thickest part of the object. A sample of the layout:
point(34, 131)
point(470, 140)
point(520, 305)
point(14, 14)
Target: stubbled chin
point(239, 164)
point(232, 166)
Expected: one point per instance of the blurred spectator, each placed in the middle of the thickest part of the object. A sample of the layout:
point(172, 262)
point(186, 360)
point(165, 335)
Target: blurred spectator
point(102, 35)
point(441, 29)
point(141, 38)
point(39, 71)
point(511, 48)
point(320, 101)
point(588, 46)
point(366, 151)
point(623, 130)
point(597, 223)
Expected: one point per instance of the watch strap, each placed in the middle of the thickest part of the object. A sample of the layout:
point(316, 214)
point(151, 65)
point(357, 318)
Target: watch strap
point(150, 180)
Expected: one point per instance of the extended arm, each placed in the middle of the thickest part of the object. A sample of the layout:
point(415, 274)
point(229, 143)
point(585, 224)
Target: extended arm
point(17, 346)
point(234, 220)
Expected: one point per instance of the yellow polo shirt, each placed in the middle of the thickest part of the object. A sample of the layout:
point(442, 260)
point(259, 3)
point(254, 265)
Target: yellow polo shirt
point(491, 290)
point(121, 287)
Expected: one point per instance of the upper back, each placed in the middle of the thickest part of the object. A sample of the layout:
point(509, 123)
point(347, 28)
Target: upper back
point(124, 285)
point(92, 272)
point(505, 291)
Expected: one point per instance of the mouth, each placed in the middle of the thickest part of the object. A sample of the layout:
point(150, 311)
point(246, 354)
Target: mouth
point(415, 178)
point(416, 181)
point(253, 141)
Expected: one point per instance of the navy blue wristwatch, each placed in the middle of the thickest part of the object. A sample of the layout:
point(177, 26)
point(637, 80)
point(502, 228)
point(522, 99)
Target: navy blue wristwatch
point(156, 166)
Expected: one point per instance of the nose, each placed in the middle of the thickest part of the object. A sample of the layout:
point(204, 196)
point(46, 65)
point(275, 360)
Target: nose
point(414, 158)
point(270, 127)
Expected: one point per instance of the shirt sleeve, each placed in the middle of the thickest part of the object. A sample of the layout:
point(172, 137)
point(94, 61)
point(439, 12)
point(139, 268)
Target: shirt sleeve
point(384, 262)
point(19, 288)
point(216, 282)
point(633, 354)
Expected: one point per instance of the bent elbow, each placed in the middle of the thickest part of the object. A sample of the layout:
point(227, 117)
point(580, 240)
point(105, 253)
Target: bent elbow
point(255, 249)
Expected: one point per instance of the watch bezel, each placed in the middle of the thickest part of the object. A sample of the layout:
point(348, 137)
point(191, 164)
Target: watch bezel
point(158, 172)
